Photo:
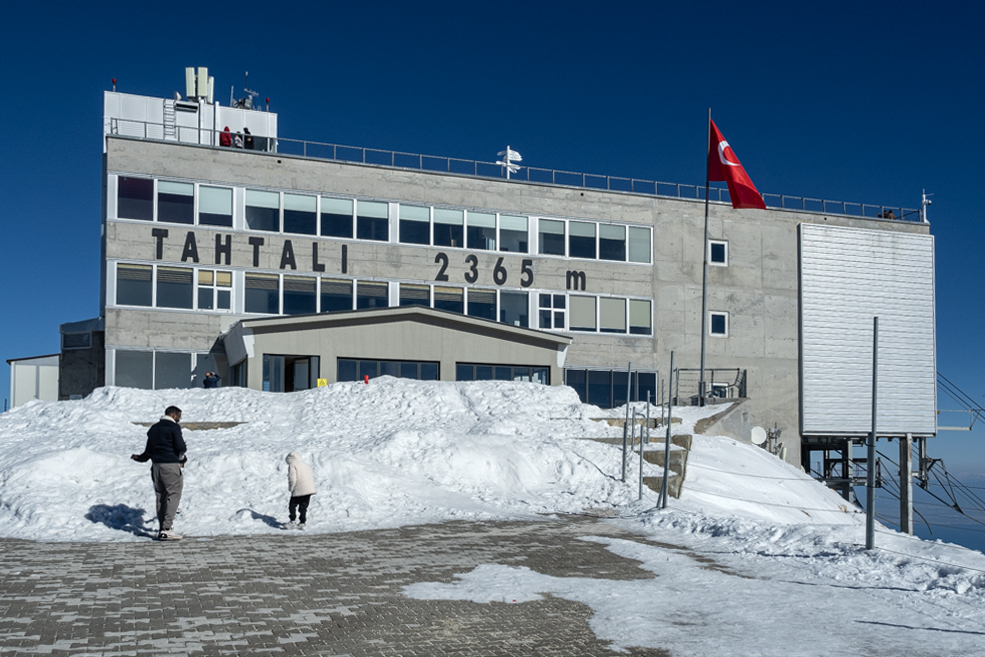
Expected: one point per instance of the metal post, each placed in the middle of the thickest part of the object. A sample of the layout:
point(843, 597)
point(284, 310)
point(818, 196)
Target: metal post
point(704, 274)
point(663, 484)
point(870, 463)
point(640, 497)
point(906, 484)
point(625, 428)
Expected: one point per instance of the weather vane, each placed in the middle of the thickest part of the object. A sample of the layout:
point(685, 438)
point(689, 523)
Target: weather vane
point(509, 156)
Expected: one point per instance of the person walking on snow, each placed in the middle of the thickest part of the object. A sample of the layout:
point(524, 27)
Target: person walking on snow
point(166, 450)
point(301, 482)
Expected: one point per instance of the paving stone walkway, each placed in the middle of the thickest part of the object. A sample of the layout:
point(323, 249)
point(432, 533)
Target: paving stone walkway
point(297, 594)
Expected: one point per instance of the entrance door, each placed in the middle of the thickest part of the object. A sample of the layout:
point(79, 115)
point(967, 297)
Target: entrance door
point(290, 373)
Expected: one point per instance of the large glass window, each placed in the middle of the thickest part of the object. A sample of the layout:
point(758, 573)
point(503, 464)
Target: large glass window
point(135, 198)
point(513, 234)
point(300, 214)
point(175, 202)
point(640, 319)
point(477, 372)
point(612, 242)
point(134, 286)
point(135, 369)
point(451, 299)
point(174, 287)
point(299, 295)
point(582, 313)
point(415, 295)
point(581, 239)
point(552, 310)
point(215, 206)
point(371, 294)
point(612, 315)
point(214, 289)
point(336, 295)
point(576, 379)
point(482, 231)
point(262, 294)
point(600, 388)
point(550, 237)
point(372, 221)
point(415, 224)
point(172, 370)
point(350, 369)
point(639, 244)
point(336, 217)
point(448, 227)
point(482, 303)
point(514, 308)
point(262, 210)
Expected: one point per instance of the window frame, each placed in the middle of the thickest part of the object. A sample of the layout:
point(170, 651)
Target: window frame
point(711, 260)
point(712, 314)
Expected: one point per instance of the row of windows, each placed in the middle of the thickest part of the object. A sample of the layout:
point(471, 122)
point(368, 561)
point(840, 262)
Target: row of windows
point(282, 294)
point(157, 370)
point(611, 388)
point(174, 202)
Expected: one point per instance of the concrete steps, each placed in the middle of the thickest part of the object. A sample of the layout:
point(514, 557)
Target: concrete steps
point(654, 453)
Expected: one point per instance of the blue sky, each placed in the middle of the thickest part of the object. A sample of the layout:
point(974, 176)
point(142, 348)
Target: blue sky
point(844, 101)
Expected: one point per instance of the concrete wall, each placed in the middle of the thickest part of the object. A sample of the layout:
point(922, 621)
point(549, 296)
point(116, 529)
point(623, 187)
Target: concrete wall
point(758, 288)
point(82, 370)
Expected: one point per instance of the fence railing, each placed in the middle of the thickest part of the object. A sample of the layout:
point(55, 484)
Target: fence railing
point(720, 384)
point(480, 169)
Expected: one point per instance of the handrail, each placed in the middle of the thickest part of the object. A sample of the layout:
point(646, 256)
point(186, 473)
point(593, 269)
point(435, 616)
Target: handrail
point(480, 169)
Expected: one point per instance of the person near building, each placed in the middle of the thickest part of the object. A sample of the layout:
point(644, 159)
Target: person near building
point(301, 482)
point(247, 139)
point(211, 380)
point(226, 137)
point(166, 450)
point(238, 140)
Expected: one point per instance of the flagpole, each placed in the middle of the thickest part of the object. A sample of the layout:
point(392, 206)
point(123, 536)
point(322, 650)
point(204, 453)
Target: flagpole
point(704, 273)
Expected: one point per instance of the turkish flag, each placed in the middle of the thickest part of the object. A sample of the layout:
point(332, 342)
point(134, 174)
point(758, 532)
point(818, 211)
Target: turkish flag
point(724, 165)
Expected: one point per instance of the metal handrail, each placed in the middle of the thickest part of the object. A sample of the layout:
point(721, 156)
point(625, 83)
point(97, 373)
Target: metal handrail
point(480, 169)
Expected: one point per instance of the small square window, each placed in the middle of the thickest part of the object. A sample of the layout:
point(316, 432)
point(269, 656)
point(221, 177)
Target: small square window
point(718, 253)
point(718, 324)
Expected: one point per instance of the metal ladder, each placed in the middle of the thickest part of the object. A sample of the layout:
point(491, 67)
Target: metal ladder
point(170, 123)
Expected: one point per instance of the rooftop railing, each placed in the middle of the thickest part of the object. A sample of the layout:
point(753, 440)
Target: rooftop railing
point(479, 169)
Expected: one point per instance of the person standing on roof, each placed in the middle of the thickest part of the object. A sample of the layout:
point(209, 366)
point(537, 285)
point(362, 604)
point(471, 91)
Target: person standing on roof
point(247, 139)
point(166, 450)
point(226, 137)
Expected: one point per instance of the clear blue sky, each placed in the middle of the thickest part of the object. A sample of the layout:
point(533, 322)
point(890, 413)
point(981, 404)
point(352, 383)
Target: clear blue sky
point(843, 101)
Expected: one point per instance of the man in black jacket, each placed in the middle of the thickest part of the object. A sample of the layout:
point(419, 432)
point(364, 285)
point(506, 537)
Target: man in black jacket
point(166, 450)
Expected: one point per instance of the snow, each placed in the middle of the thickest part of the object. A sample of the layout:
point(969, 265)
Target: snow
point(750, 545)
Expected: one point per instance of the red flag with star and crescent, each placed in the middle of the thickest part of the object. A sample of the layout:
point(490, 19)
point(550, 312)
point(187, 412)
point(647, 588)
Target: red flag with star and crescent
point(724, 165)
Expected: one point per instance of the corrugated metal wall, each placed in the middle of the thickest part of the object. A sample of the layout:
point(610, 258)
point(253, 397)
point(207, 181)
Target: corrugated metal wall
point(847, 277)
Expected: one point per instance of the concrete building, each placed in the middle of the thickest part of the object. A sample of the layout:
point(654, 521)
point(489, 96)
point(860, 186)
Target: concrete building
point(275, 265)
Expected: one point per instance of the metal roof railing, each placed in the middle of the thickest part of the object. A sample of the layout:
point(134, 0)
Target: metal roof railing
point(480, 169)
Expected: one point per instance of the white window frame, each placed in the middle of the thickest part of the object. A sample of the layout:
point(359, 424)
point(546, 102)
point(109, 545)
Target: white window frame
point(714, 313)
point(712, 262)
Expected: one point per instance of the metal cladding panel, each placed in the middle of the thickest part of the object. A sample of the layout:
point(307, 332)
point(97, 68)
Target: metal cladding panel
point(847, 277)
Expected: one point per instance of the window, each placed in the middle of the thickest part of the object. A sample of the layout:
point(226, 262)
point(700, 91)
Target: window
point(552, 308)
point(718, 324)
point(475, 372)
point(300, 214)
point(550, 237)
point(372, 221)
point(612, 315)
point(370, 294)
point(172, 370)
point(581, 239)
point(482, 303)
point(336, 217)
point(175, 202)
point(134, 286)
point(639, 244)
point(576, 379)
point(174, 287)
point(582, 313)
point(451, 299)
point(718, 253)
point(448, 227)
point(299, 295)
point(612, 242)
point(600, 388)
point(415, 295)
point(415, 225)
point(135, 369)
point(262, 294)
point(482, 231)
point(336, 295)
point(640, 318)
point(135, 198)
point(513, 235)
point(214, 290)
point(215, 206)
point(262, 210)
point(350, 369)
point(608, 388)
point(514, 308)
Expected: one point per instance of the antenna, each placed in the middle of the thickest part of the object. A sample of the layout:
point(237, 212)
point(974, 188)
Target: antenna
point(758, 435)
point(509, 156)
point(925, 201)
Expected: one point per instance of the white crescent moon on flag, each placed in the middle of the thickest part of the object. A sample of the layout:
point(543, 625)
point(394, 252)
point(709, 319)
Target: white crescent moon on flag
point(722, 145)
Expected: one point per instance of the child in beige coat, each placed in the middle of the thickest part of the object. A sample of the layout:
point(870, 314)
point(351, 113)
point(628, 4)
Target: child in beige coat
point(301, 481)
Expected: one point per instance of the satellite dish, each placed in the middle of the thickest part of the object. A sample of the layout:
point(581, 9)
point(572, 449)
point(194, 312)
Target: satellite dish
point(758, 435)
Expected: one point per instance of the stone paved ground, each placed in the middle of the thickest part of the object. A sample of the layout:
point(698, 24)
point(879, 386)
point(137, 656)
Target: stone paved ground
point(297, 594)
